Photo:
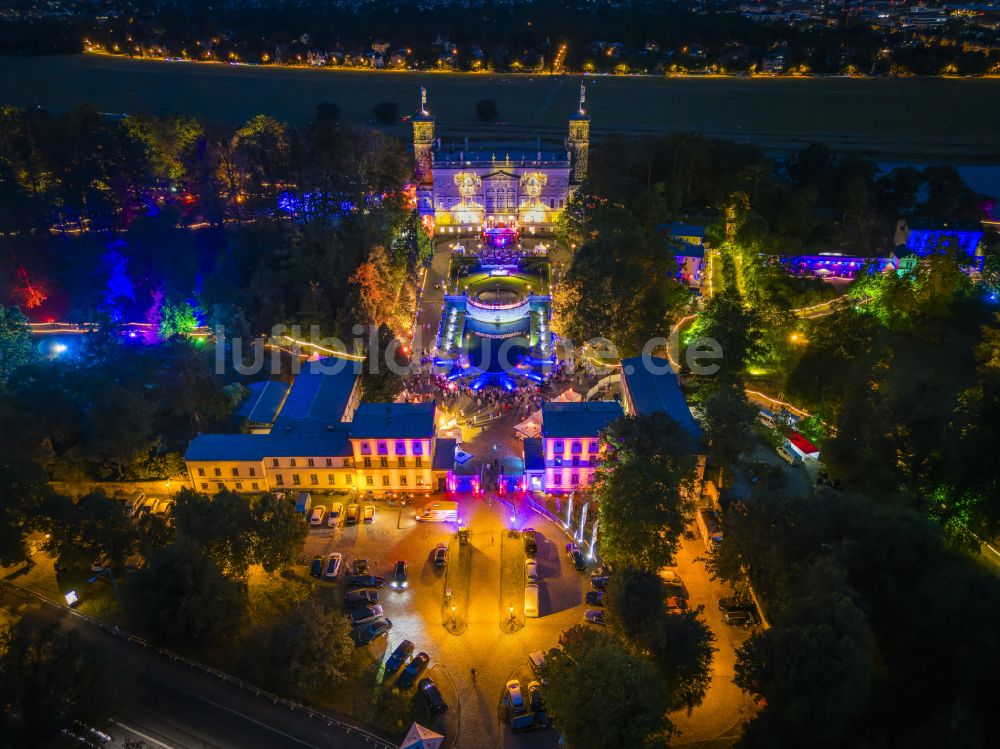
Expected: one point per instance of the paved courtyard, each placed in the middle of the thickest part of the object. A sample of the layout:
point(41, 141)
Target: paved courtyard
point(483, 590)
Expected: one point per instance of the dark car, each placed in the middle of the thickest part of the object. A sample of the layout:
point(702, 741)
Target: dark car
point(316, 567)
point(365, 614)
point(595, 597)
point(599, 583)
point(399, 581)
point(403, 651)
point(365, 581)
point(440, 555)
point(366, 633)
point(594, 616)
point(576, 556)
point(735, 603)
point(530, 541)
point(356, 598)
point(413, 669)
point(740, 618)
point(535, 696)
point(432, 694)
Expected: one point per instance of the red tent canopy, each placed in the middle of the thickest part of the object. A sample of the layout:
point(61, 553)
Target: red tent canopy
point(803, 446)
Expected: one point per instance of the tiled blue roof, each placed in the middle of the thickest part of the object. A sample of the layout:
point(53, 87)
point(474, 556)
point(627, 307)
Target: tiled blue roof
point(319, 396)
point(264, 401)
point(658, 390)
point(534, 455)
point(678, 229)
point(444, 455)
point(578, 419)
point(393, 420)
point(222, 447)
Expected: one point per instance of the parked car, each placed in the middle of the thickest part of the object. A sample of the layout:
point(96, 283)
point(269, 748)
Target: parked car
point(535, 696)
point(676, 603)
point(739, 618)
point(355, 598)
point(599, 583)
point(531, 570)
point(399, 656)
point(576, 556)
point(353, 514)
point(515, 700)
point(318, 513)
point(365, 581)
point(440, 555)
point(333, 565)
point(367, 633)
point(399, 576)
point(316, 567)
point(134, 503)
point(594, 616)
point(365, 614)
point(788, 456)
point(147, 506)
point(164, 508)
point(595, 597)
point(432, 694)
point(368, 516)
point(336, 512)
point(735, 603)
point(530, 541)
point(671, 579)
point(413, 669)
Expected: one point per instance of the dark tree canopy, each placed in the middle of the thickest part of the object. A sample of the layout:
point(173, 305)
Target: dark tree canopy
point(54, 684)
point(645, 490)
point(594, 674)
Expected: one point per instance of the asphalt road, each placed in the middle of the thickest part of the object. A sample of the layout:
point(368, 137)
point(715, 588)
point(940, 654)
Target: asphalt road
point(175, 707)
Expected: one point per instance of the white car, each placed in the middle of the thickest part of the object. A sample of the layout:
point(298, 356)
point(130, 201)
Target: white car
point(336, 510)
point(515, 700)
point(671, 578)
point(317, 515)
point(368, 514)
point(531, 570)
point(332, 568)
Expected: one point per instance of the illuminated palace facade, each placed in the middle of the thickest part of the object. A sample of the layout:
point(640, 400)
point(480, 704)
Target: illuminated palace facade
point(504, 190)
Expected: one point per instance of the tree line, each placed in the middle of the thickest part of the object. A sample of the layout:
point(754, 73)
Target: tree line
point(599, 37)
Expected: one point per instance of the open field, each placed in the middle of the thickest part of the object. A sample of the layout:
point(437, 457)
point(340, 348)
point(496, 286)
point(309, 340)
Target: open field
point(920, 119)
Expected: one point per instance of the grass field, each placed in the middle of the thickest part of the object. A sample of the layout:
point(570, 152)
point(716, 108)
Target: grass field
point(923, 119)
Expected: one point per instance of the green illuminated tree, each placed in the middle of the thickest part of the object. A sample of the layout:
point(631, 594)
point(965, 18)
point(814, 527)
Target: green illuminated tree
point(279, 533)
point(645, 489)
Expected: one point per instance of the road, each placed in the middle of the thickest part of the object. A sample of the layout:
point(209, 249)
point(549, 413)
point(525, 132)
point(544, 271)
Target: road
point(175, 707)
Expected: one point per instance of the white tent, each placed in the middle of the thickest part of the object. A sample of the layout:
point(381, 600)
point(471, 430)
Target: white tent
point(419, 737)
point(569, 396)
point(530, 427)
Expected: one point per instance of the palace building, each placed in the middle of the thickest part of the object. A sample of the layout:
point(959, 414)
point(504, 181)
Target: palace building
point(500, 191)
point(321, 438)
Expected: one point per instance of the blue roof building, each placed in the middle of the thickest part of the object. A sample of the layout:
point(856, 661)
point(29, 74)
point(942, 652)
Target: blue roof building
point(650, 385)
point(586, 419)
point(393, 421)
point(322, 440)
point(261, 408)
point(325, 392)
